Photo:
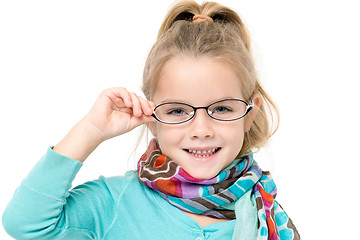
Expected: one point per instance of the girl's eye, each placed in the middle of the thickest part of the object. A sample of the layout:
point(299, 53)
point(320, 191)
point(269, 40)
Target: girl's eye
point(222, 109)
point(176, 112)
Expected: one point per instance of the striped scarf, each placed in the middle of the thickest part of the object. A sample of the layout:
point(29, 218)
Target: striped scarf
point(231, 194)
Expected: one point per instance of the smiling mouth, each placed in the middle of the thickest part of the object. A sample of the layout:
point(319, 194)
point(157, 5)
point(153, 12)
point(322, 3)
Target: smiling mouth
point(202, 153)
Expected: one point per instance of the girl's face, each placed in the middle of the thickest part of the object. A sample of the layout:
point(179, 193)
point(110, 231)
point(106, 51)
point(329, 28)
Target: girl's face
point(199, 82)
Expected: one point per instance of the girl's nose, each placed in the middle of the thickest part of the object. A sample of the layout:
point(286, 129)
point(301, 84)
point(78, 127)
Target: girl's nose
point(201, 125)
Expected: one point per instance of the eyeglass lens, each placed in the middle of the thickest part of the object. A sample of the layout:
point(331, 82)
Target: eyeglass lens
point(225, 110)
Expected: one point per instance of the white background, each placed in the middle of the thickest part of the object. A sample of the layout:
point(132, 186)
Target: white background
point(57, 56)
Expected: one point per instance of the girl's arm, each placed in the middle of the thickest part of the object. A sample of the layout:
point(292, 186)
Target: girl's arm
point(115, 112)
point(43, 207)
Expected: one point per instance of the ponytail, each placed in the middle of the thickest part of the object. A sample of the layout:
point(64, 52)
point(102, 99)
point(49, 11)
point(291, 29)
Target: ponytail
point(186, 10)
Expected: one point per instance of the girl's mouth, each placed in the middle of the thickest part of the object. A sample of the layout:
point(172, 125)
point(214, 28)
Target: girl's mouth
point(202, 153)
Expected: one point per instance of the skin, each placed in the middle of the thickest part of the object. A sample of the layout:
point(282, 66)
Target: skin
point(209, 80)
point(115, 112)
point(197, 82)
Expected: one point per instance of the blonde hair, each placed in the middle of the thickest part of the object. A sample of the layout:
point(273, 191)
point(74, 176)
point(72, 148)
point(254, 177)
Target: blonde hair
point(226, 39)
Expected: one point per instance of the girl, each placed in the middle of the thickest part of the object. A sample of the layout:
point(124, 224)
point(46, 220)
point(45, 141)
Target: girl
point(197, 179)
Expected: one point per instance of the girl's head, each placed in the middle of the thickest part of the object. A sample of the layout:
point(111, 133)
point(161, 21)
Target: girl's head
point(218, 40)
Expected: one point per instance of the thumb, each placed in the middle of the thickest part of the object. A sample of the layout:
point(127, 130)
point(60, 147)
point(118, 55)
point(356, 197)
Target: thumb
point(144, 119)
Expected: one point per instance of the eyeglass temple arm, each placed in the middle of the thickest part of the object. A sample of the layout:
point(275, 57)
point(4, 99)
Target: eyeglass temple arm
point(250, 106)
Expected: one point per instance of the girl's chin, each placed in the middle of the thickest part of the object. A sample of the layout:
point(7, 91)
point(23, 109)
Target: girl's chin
point(202, 175)
point(201, 167)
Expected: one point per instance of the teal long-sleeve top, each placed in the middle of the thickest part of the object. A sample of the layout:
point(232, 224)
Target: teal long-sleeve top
point(120, 207)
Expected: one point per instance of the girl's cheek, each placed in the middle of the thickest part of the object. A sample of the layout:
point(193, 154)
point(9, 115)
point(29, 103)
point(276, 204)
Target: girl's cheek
point(170, 133)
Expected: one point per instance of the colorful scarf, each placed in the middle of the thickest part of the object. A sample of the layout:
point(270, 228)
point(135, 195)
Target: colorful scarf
point(242, 191)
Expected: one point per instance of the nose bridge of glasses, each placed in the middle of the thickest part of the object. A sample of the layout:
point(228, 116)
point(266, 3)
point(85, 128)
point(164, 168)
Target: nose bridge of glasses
point(205, 108)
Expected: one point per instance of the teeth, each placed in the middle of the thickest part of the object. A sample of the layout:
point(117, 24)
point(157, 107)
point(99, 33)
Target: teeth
point(196, 155)
point(203, 153)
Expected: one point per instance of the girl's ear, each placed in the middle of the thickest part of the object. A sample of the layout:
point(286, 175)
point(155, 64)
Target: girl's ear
point(152, 128)
point(252, 114)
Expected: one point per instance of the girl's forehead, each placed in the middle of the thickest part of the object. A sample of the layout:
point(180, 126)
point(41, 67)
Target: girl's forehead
point(190, 80)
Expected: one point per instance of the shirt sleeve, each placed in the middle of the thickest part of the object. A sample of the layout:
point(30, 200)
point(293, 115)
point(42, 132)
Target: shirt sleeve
point(43, 207)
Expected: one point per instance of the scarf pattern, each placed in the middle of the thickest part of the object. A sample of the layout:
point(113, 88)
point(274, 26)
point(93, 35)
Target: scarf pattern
point(216, 197)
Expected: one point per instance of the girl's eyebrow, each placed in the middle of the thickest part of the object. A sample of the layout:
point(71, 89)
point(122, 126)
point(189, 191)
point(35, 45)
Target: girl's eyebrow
point(171, 100)
point(212, 101)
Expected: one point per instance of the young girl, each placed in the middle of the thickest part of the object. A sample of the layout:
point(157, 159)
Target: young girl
point(197, 179)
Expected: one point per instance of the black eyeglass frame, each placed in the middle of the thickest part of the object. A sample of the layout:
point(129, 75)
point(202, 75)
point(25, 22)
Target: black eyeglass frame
point(249, 107)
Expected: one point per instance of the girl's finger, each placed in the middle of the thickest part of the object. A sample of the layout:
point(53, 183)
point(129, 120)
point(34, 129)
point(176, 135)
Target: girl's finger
point(120, 95)
point(146, 106)
point(136, 106)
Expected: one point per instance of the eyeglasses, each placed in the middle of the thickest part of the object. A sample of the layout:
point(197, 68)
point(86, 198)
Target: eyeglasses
point(223, 110)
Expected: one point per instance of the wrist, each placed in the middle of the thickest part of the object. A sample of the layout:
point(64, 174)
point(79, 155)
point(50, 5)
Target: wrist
point(80, 142)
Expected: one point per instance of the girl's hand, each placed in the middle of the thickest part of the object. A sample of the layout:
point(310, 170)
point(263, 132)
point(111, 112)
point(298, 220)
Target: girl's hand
point(117, 111)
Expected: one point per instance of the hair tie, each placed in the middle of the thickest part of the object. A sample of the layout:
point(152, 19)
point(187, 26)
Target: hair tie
point(201, 18)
